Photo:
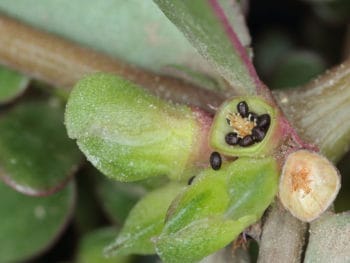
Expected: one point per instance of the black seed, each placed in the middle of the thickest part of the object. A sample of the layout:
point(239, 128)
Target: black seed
point(246, 141)
point(252, 116)
point(231, 138)
point(243, 109)
point(215, 160)
point(190, 180)
point(258, 134)
point(264, 121)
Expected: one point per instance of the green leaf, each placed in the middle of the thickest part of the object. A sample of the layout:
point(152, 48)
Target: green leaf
point(229, 199)
point(29, 225)
point(329, 239)
point(117, 199)
point(206, 236)
point(92, 244)
point(36, 156)
point(122, 29)
point(208, 26)
point(144, 222)
point(12, 84)
point(127, 133)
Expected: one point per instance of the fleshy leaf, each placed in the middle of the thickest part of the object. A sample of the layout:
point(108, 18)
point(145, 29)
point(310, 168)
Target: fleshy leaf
point(129, 134)
point(144, 222)
point(206, 236)
point(92, 244)
point(36, 155)
point(12, 84)
point(233, 197)
point(208, 27)
point(29, 225)
point(122, 29)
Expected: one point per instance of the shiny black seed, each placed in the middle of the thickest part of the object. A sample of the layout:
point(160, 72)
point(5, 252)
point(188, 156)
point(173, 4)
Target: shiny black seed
point(231, 138)
point(252, 116)
point(215, 160)
point(190, 180)
point(243, 109)
point(264, 121)
point(258, 134)
point(246, 141)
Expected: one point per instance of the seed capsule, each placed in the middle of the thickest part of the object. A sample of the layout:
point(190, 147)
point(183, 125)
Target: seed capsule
point(215, 160)
point(246, 141)
point(231, 138)
point(309, 184)
point(264, 121)
point(258, 134)
point(242, 108)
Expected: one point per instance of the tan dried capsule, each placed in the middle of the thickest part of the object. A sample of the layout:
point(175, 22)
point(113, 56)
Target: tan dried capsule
point(309, 184)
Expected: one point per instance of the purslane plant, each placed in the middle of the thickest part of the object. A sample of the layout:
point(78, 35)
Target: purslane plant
point(130, 135)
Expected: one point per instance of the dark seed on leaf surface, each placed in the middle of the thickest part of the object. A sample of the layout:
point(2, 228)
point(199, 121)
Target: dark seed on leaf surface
point(190, 180)
point(246, 141)
point(215, 160)
point(242, 108)
point(264, 121)
point(231, 138)
point(258, 134)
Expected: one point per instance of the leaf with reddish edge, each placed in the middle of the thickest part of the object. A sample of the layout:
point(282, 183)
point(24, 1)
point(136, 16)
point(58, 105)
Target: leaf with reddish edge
point(36, 156)
point(206, 25)
point(30, 225)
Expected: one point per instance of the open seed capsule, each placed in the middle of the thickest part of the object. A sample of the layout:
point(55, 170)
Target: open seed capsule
point(245, 126)
point(309, 184)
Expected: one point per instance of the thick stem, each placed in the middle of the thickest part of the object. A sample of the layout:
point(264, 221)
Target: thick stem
point(282, 238)
point(62, 63)
point(319, 111)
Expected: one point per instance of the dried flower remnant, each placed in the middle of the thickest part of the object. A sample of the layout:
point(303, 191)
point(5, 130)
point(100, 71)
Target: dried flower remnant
point(308, 185)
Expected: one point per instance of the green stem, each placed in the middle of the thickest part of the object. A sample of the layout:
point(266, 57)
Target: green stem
point(319, 111)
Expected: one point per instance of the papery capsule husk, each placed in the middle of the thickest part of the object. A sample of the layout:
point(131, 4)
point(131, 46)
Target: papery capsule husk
point(309, 184)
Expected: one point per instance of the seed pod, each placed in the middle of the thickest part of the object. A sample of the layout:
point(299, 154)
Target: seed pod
point(308, 185)
point(231, 138)
point(243, 109)
point(228, 121)
point(215, 160)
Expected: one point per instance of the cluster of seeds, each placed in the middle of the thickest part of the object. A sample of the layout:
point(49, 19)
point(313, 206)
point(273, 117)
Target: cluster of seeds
point(248, 127)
